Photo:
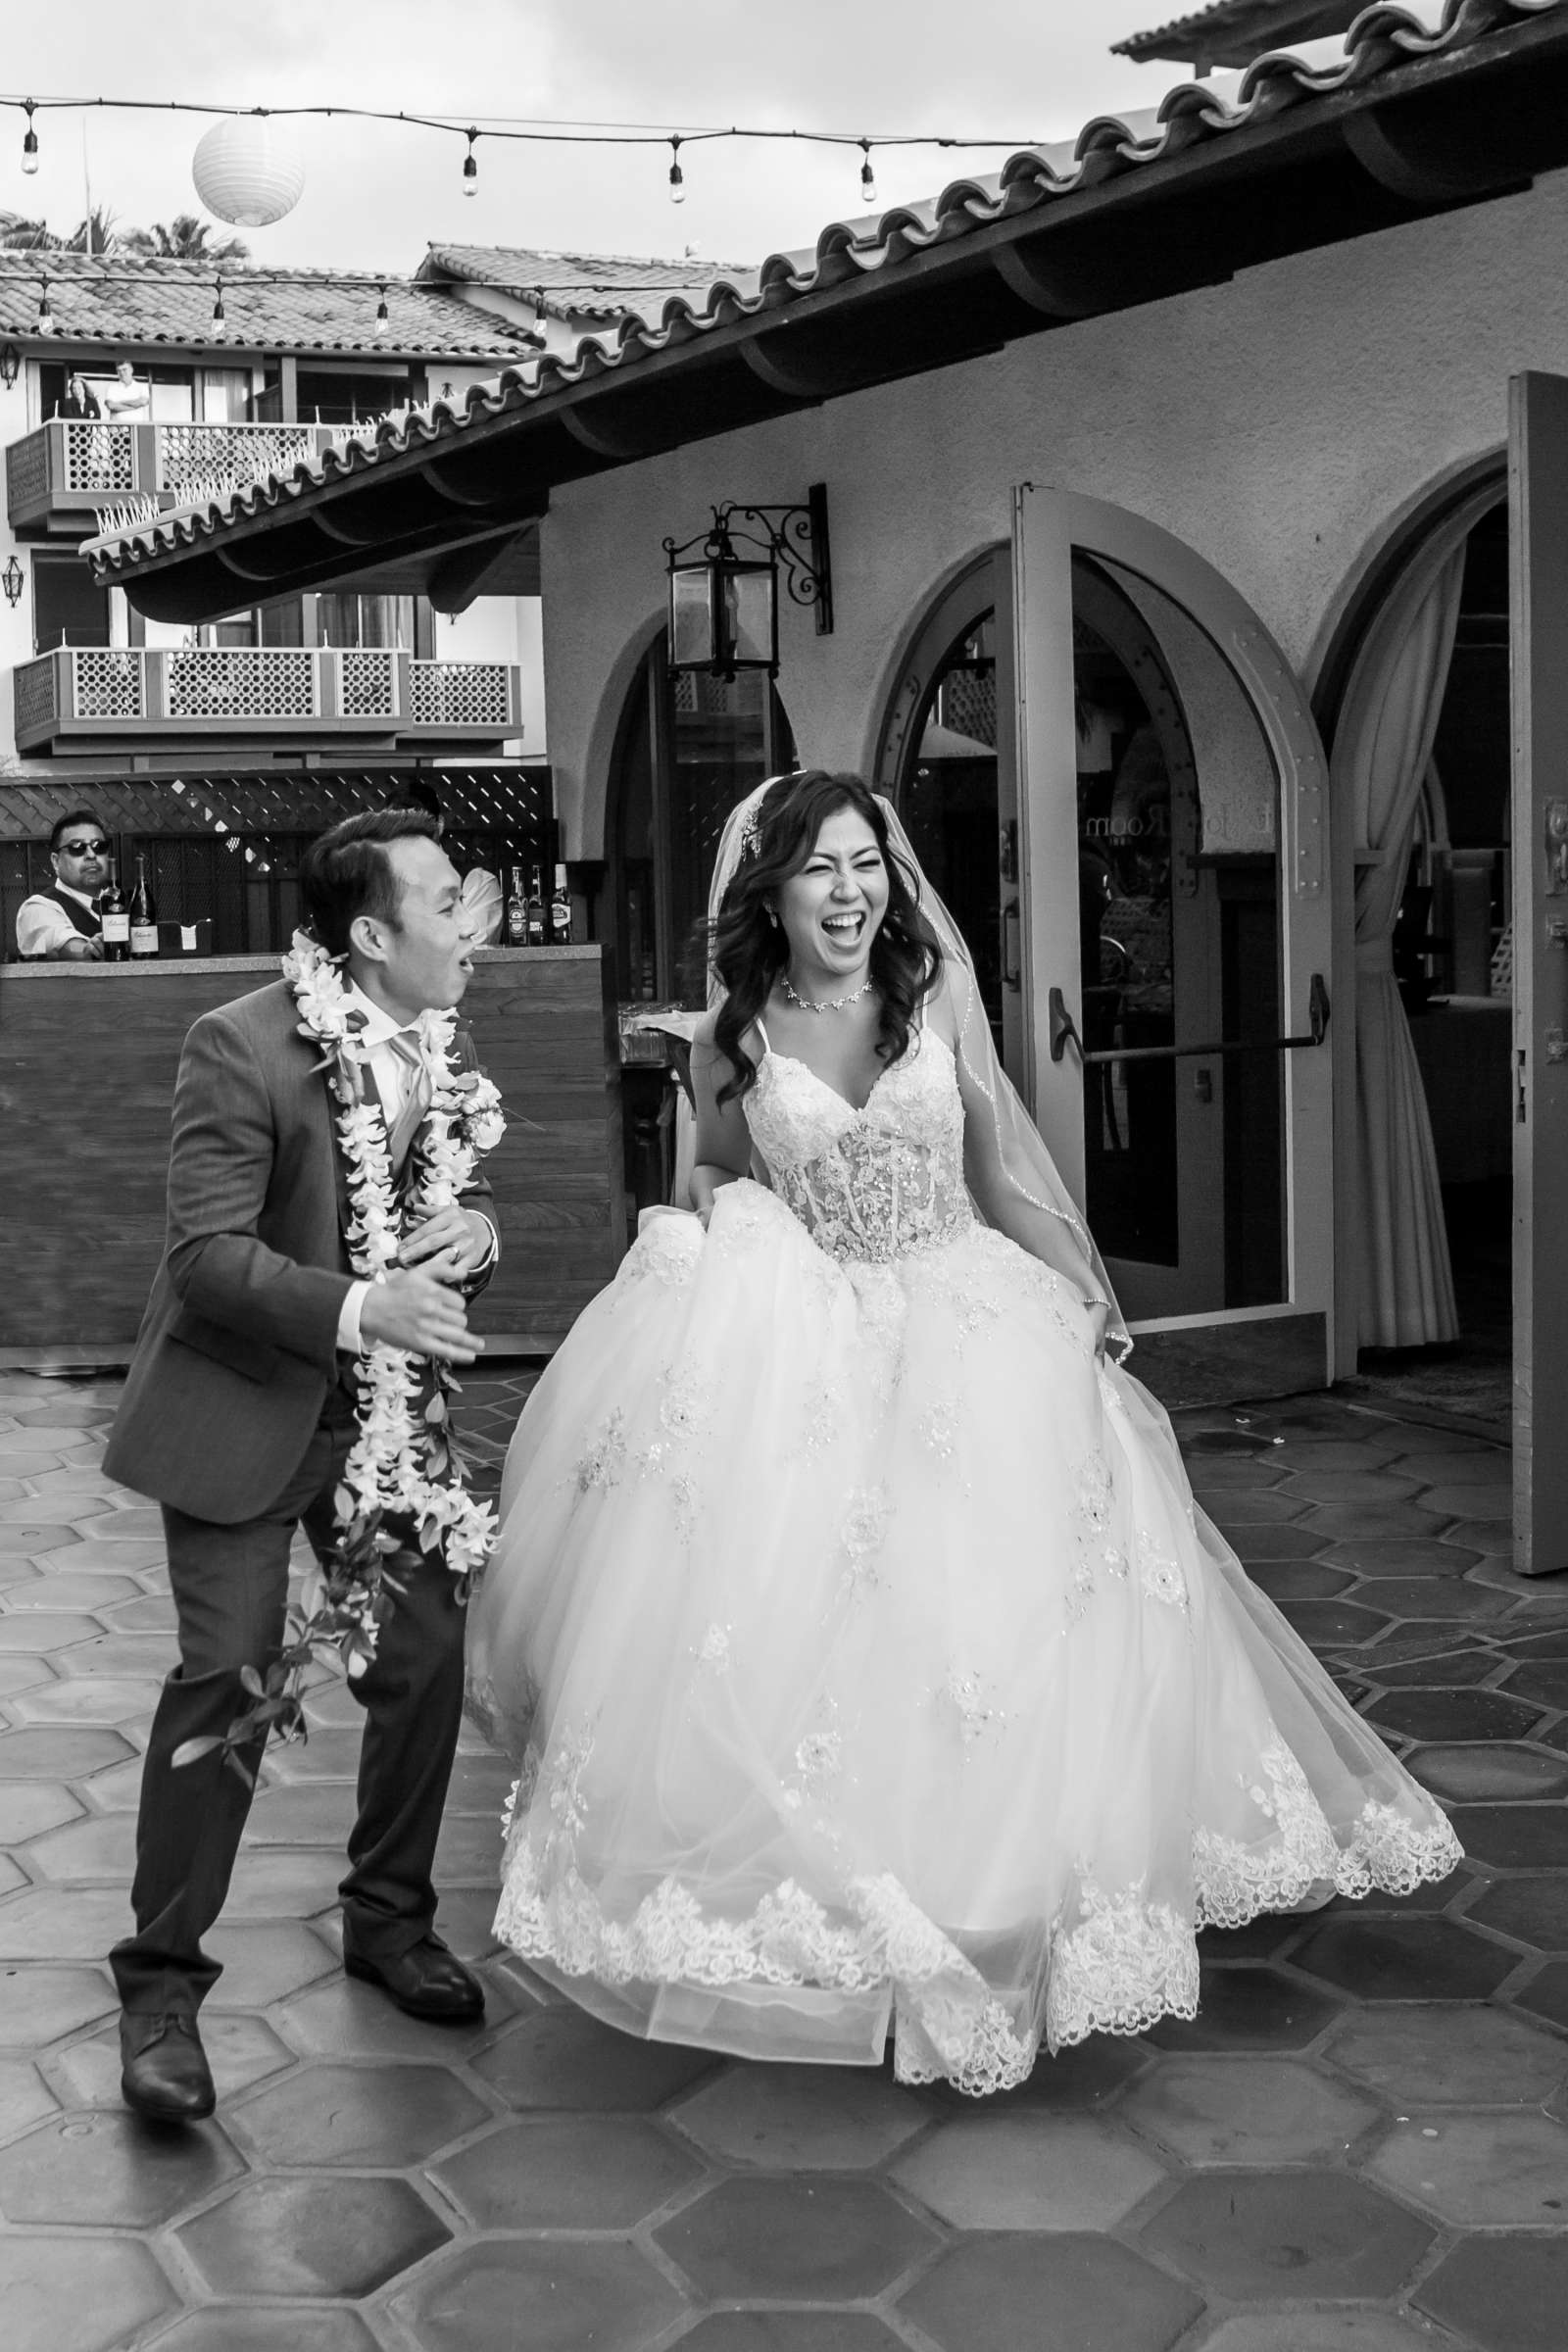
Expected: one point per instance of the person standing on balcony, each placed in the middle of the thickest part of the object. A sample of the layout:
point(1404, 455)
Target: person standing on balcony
point(62, 923)
point(80, 400)
point(128, 402)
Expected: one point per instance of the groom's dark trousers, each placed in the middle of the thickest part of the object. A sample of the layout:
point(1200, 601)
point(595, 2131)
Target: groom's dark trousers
point(237, 1416)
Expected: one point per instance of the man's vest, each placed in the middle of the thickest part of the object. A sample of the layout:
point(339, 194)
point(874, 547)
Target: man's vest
point(82, 917)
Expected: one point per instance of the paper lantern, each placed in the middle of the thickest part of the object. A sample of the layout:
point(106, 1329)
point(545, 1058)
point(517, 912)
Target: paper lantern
point(248, 170)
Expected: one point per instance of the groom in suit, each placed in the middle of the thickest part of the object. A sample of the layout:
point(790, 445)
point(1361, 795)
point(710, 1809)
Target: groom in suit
point(237, 1416)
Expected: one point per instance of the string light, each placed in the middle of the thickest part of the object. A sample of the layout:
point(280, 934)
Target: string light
point(219, 320)
point(46, 316)
point(29, 142)
point(384, 324)
point(678, 178)
point(868, 175)
point(528, 128)
point(470, 167)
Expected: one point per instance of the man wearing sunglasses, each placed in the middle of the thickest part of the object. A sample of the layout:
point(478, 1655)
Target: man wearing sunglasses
point(63, 922)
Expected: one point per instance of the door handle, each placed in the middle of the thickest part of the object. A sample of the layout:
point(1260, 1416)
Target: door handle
point(1011, 968)
point(1064, 1032)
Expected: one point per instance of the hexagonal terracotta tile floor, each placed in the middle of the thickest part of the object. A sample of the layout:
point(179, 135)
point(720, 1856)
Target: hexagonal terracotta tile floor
point(1360, 2139)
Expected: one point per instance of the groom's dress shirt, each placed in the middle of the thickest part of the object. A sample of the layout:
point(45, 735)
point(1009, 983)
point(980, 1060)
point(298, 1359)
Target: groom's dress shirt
point(393, 1079)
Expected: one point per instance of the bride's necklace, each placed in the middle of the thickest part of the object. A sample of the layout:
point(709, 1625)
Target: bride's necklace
point(828, 1003)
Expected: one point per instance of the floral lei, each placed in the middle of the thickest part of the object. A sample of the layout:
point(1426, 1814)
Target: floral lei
point(402, 1491)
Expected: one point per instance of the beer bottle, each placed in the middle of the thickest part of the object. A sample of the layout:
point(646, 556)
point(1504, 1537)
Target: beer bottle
point(516, 911)
point(561, 913)
point(536, 910)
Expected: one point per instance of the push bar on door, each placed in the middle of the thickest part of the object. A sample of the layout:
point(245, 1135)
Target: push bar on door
point(1064, 1032)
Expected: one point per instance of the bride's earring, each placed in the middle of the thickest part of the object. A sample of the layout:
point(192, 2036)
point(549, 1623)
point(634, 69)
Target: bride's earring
point(772, 917)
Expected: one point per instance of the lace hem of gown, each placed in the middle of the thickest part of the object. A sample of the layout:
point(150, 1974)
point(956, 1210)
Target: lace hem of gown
point(1126, 1962)
point(1386, 1849)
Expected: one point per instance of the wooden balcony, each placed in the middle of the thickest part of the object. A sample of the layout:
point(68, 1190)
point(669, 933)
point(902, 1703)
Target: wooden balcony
point(58, 477)
point(133, 694)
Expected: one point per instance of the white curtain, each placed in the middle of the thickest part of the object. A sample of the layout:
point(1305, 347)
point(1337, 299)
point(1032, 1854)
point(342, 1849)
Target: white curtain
point(1384, 746)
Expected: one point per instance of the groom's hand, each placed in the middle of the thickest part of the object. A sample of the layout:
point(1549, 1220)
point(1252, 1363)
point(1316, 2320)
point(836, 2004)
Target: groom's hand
point(416, 1311)
point(449, 1245)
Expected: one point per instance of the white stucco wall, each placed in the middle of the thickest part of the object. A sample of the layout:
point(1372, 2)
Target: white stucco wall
point(502, 629)
point(1279, 425)
point(15, 620)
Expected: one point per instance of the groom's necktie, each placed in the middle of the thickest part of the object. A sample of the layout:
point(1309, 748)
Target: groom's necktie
point(418, 1097)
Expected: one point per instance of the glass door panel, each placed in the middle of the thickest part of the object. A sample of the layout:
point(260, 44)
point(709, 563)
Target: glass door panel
point(1179, 944)
point(1156, 923)
point(689, 747)
point(946, 759)
point(950, 803)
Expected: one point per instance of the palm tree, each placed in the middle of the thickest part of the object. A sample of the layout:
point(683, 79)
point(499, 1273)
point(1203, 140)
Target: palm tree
point(96, 234)
point(18, 234)
point(185, 238)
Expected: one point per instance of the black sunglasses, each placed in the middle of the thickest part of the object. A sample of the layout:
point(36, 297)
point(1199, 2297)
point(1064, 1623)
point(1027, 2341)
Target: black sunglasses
point(84, 849)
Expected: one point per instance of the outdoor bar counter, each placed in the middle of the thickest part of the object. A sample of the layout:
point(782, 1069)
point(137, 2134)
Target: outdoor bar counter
point(88, 1053)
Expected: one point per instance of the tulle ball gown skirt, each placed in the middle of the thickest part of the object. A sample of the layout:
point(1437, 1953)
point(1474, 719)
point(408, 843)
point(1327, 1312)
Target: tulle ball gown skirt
point(871, 1672)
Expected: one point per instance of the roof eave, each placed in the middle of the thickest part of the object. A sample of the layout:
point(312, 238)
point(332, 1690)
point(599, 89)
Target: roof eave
point(1233, 36)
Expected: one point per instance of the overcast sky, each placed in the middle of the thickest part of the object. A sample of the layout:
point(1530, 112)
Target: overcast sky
point(377, 194)
point(1013, 70)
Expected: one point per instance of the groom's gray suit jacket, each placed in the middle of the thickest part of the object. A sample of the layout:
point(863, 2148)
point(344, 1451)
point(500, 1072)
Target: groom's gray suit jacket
point(238, 1344)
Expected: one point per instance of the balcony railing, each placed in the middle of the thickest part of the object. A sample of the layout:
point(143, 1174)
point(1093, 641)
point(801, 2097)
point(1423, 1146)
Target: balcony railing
point(81, 693)
point(56, 477)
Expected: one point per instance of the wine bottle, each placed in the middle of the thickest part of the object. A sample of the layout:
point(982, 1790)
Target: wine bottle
point(536, 910)
point(143, 912)
point(114, 919)
point(561, 913)
point(516, 911)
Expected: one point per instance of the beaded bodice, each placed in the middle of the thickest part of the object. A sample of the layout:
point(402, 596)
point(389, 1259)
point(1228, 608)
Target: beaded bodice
point(876, 1182)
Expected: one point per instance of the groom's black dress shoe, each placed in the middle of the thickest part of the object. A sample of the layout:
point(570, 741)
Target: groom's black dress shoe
point(164, 2074)
point(428, 1981)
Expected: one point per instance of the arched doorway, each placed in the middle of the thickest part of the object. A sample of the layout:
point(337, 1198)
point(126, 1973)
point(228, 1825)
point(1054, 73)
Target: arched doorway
point(1415, 704)
point(1176, 937)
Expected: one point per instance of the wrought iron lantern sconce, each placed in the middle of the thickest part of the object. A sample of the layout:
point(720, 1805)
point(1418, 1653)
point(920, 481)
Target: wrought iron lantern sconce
point(723, 606)
point(10, 365)
point(13, 580)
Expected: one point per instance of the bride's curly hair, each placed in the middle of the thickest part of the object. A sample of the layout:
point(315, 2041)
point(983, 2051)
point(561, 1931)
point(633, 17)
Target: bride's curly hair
point(748, 950)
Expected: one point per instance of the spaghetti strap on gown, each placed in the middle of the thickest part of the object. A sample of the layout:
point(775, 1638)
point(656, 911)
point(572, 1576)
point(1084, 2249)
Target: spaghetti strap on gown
point(869, 1667)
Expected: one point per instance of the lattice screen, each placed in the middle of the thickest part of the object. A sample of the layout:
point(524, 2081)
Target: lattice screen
point(108, 682)
point(191, 453)
point(98, 457)
point(367, 682)
point(468, 694)
point(229, 681)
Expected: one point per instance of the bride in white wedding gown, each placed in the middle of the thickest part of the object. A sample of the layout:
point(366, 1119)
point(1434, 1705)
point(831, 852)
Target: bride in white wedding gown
point(869, 1666)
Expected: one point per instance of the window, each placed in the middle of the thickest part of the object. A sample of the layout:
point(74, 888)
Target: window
point(352, 396)
point(365, 621)
point(66, 608)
